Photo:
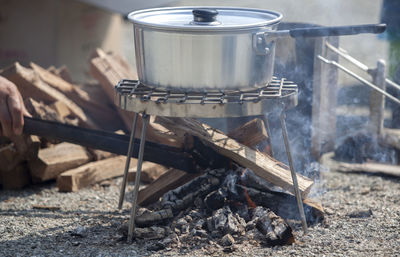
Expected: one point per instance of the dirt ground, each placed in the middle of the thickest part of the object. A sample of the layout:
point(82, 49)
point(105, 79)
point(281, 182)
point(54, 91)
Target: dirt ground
point(362, 219)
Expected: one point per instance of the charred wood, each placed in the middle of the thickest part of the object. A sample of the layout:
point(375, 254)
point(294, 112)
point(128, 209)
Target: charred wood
point(183, 196)
point(153, 218)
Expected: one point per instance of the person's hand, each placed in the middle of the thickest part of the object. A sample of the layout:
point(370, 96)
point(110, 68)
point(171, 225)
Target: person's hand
point(12, 109)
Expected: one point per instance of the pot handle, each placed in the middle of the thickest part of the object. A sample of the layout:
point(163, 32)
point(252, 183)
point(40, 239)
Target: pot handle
point(326, 31)
point(337, 31)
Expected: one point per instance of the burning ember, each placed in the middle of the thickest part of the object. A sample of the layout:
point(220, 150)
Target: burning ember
point(222, 208)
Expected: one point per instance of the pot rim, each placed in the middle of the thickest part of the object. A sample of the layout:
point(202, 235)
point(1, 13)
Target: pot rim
point(134, 18)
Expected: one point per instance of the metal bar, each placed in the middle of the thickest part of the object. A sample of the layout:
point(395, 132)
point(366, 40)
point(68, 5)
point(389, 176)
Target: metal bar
point(267, 127)
point(128, 161)
point(362, 80)
point(392, 84)
point(293, 172)
point(131, 229)
point(343, 53)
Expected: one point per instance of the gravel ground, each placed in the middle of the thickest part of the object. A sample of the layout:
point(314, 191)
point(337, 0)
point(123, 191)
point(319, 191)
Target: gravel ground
point(363, 219)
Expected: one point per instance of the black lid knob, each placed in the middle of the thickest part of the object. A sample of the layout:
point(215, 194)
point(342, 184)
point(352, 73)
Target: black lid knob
point(205, 15)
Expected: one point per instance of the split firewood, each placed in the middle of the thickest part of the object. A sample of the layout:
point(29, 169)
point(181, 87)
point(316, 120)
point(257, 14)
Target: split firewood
point(108, 71)
point(61, 72)
point(367, 167)
point(9, 157)
point(15, 178)
point(107, 116)
point(55, 160)
point(94, 172)
point(98, 155)
point(31, 85)
point(370, 167)
point(173, 178)
point(61, 108)
point(42, 111)
point(180, 198)
point(261, 164)
point(282, 204)
point(150, 172)
point(153, 218)
point(70, 90)
point(27, 146)
point(250, 134)
point(74, 179)
point(14, 173)
point(274, 229)
point(99, 111)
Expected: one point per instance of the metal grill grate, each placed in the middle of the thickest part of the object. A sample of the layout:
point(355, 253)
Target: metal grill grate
point(134, 96)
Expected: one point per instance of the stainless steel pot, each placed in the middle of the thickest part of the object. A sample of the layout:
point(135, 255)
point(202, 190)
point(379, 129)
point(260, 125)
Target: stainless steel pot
point(214, 47)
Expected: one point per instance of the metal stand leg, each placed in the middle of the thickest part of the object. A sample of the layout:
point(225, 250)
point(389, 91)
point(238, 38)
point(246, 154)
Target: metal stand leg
point(128, 161)
point(267, 127)
point(293, 172)
point(131, 229)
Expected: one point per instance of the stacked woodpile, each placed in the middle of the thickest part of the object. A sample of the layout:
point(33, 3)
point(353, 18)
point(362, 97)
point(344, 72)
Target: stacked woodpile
point(50, 94)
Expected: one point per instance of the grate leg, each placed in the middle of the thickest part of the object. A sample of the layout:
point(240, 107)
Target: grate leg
point(293, 172)
point(131, 229)
point(268, 128)
point(128, 161)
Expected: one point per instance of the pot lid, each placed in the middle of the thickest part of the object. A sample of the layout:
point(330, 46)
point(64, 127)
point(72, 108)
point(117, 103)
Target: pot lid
point(204, 18)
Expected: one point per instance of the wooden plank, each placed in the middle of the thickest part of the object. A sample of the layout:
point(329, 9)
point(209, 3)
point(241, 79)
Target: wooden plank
point(31, 85)
point(94, 172)
point(55, 160)
point(368, 167)
point(90, 173)
point(324, 98)
point(108, 73)
point(250, 134)
point(261, 164)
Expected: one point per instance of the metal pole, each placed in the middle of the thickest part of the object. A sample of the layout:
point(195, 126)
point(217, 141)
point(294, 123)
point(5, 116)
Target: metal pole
point(293, 172)
point(383, 92)
point(268, 128)
point(131, 229)
point(128, 161)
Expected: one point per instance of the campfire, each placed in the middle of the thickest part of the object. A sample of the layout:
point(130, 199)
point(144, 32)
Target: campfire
point(224, 207)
